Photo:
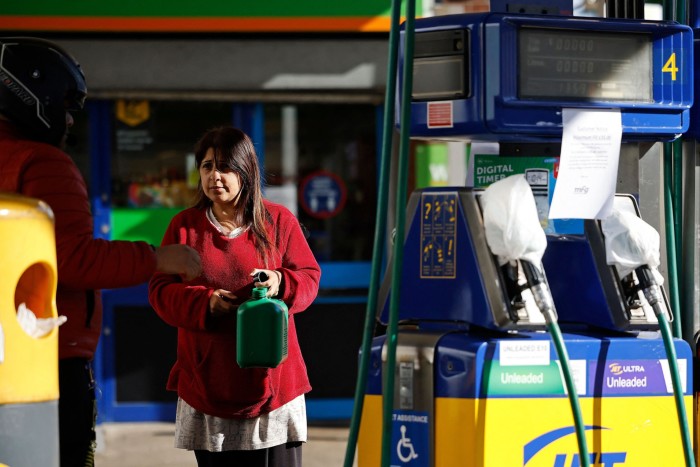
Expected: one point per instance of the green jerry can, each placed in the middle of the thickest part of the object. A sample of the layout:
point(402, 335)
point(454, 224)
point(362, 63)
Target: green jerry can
point(261, 332)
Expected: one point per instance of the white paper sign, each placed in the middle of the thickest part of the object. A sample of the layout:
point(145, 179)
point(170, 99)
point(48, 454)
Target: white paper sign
point(590, 152)
point(682, 369)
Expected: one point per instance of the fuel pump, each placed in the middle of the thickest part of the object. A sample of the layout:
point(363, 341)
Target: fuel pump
point(469, 354)
point(691, 249)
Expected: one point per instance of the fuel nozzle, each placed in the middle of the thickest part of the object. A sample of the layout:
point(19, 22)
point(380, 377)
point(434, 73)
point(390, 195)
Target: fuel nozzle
point(650, 288)
point(540, 290)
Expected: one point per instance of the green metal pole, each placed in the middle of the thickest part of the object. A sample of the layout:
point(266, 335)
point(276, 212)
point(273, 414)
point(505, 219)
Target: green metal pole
point(379, 232)
point(669, 8)
point(401, 189)
point(681, 12)
point(685, 256)
point(677, 190)
point(671, 256)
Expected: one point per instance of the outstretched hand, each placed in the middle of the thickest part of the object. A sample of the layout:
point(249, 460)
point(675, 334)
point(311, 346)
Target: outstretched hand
point(178, 259)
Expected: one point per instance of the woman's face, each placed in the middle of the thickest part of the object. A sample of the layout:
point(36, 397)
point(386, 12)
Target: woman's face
point(221, 186)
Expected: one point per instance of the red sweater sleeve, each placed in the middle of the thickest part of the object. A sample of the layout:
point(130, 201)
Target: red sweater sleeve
point(83, 261)
point(301, 273)
point(178, 304)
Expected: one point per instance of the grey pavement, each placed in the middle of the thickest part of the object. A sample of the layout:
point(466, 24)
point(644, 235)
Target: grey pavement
point(151, 445)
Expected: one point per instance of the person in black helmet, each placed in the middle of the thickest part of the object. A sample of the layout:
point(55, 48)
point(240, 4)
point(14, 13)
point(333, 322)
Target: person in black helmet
point(39, 84)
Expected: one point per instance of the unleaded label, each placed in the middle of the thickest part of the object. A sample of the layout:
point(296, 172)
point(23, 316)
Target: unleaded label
point(524, 380)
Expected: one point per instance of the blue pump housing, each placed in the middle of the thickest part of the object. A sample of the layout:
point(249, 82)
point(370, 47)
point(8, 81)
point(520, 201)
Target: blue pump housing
point(586, 290)
point(507, 77)
point(449, 273)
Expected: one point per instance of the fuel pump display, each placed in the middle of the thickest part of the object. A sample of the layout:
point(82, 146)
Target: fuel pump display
point(570, 65)
point(496, 76)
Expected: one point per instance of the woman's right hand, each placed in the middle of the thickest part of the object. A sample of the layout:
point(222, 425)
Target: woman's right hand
point(222, 303)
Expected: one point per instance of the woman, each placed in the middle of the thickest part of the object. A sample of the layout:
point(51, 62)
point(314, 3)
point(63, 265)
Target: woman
point(227, 415)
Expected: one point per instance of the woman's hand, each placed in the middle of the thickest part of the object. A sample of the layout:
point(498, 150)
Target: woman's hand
point(273, 282)
point(221, 303)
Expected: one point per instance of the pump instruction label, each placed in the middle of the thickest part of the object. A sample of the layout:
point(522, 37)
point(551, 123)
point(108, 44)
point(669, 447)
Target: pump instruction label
point(438, 235)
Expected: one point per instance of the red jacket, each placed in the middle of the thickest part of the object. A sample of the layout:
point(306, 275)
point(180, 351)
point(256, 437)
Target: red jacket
point(84, 264)
point(205, 374)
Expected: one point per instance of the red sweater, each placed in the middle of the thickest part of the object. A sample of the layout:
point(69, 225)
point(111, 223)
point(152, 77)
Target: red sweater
point(84, 264)
point(205, 374)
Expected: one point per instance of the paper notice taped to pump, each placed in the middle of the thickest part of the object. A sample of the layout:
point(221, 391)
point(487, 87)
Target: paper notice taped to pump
point(590, 153)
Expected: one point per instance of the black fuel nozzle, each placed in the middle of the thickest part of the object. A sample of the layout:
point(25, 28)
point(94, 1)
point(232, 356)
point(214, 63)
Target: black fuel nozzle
point(260, 276)
point(533, 274)
point(540, 290)
point(512, 285)
point(650, 288)
point(645, 277)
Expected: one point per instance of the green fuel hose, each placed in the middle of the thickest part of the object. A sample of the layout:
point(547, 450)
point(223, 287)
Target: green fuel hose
point(543, 298)
point(555, 332)
point(677, 389)
point(654, 297)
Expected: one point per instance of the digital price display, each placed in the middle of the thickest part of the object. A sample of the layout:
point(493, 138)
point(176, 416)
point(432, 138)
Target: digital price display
point(567, 65)
point(507, 77)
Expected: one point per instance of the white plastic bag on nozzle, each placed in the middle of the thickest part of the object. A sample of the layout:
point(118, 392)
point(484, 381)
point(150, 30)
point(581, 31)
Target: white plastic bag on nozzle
point(36, 327)
point(630, 242)
point(513, 229)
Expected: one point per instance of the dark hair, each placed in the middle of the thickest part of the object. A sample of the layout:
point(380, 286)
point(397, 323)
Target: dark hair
point(234, 150)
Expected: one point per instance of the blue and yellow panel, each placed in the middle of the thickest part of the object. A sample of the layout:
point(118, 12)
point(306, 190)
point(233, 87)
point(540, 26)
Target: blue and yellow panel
point(501, 402)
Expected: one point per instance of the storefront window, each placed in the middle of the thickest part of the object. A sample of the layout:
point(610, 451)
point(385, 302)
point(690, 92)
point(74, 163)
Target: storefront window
point(319, 160)
point(153, 150)
point(324, 159)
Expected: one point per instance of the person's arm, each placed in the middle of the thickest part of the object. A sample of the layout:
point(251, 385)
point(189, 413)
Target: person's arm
point(84, 262)
point(177, 303)
point(178, 259)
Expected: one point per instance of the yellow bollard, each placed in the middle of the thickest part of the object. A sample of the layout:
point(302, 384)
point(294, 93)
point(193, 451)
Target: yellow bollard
point(28, 365)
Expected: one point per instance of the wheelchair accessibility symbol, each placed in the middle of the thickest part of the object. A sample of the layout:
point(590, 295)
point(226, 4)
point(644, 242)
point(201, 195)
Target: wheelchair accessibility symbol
point(410, 436)
point(404, 448)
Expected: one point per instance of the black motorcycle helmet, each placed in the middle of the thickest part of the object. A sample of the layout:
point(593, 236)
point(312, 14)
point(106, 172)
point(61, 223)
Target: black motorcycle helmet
point(39, 82)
